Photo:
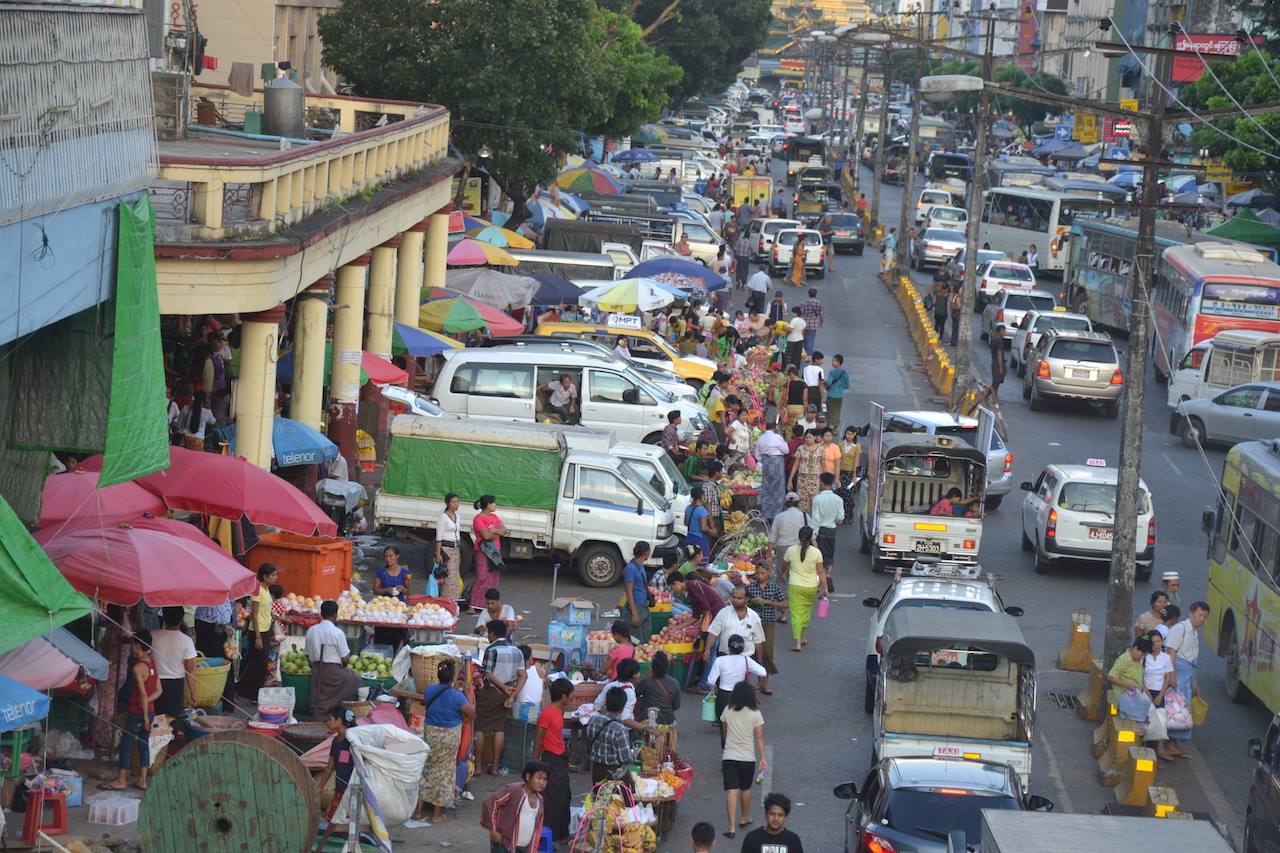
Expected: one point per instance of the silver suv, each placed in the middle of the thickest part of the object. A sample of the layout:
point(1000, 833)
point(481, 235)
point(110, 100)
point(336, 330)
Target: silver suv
point(1075, 365)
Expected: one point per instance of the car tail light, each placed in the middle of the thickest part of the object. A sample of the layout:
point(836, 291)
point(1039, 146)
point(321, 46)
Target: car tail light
point(890, 539)
point(1000, 316)
point(873, 843)
point(969, 544)
point(1051, 529)
point(776, 250)
point(1151, 532)
point(1117, 378)
point(1042, 370)
point(1008, 462)
point(880, 644)
point(953, 791)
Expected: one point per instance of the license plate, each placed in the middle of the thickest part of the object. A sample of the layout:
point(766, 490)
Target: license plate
point(927, 546)
point(842, 233)
point(1081, 374)
point(1101, 533)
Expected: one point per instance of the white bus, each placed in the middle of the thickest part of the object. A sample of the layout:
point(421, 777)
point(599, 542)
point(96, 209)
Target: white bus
point(1014, 218)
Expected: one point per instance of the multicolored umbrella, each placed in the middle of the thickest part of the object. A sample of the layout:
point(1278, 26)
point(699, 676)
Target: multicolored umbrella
point(503, 238)
point(586, 180)
point(628, 295)
point(420, 343)
point(463, 314)
point(474, 253)
point(679, 272)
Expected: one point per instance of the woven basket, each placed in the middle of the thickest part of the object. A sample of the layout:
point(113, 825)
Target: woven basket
point(304, 736)
point(206, 724)
point(425, 669)
point(210, 682)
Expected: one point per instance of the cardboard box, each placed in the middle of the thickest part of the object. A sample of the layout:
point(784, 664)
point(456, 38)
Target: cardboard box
point(573, 611)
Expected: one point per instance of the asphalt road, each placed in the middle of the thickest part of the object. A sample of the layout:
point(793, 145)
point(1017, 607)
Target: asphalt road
point(816, 731)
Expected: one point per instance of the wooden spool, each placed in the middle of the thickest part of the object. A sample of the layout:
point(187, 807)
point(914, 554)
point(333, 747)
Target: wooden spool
point(230, 791)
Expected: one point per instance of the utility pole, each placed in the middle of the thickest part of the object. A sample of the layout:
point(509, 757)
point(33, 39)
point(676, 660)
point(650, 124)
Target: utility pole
point(977, 187)
point(909, 174)
point(844, 101)
point(1124, 546)
point(855, 142)
point(882, 140)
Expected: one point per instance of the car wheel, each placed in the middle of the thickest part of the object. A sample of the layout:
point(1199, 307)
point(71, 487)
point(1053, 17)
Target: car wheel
point(1027, 544)
point(864, 543)
point(600, 565)
point(1142, 573)
point(1192, 433)
point(1036, 403)
point(1041, 564)
point(1021, 368)
point(1026, 390)
point(869, 695)
point(1235, 689)
point(1111, 410)
point(993, 501)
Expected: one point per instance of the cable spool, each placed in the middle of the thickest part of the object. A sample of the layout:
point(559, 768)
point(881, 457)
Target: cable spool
point(230, 791)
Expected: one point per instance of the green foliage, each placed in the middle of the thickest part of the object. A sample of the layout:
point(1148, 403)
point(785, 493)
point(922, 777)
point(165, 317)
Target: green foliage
point(1025, 113)
point(523, 77)
point(1248, 82)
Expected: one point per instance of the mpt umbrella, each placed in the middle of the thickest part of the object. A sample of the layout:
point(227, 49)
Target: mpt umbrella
point(628, 295)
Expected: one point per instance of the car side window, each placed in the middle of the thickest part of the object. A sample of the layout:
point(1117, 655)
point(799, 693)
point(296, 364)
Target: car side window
point(1272, 403)
point(605, 487)
point(1271, 752)
point(870, 790)
point(1042, 486)
point(612, 388)
point(1247, 397)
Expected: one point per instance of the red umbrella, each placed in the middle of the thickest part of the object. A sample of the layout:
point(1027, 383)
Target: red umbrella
point(123, 564)
point(75, 495)
point(230, 487)
point(380, 371)
point(171, 526)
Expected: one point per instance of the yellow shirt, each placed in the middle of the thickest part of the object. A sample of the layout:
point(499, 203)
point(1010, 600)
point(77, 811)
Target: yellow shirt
point(263, 598)
point(715, 407)
point(804, 572)
point(831, 459)
point(850, 457)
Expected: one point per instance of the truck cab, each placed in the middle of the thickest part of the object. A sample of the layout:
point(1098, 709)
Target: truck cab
point(1224, 361)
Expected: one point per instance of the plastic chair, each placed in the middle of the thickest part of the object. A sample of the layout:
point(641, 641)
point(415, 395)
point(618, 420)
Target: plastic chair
point(547, 843)
point(35, 823)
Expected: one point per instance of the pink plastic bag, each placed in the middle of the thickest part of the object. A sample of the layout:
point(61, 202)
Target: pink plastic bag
point(823, 604)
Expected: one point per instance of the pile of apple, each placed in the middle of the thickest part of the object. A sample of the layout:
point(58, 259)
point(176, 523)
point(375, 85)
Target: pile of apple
point(681, 629)
point(656, 597)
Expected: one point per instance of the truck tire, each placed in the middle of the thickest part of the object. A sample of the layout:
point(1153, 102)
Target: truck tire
point(993, 501)
point(600, 565)
point(653, 438)
point(869, 695)
point(864, 543)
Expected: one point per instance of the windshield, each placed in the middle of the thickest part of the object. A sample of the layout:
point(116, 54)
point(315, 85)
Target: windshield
point(673, 473)
point(911, 811)
point(811, 238)
point(844, 220)
point(943, 235)
point(942, 604)
point(779, 225)
point(1027, 302)
point(1095, 351)
point(948, 214)
point(640, 482)
point(1074, 324)
point(1012, 273)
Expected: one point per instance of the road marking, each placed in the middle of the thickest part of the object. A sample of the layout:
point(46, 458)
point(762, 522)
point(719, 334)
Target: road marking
point(842, 595)
point(1055, 776)
point(1169, 461)
point(1213, 792)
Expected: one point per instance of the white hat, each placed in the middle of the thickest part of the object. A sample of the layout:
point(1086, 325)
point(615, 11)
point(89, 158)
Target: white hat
point(1169, 576)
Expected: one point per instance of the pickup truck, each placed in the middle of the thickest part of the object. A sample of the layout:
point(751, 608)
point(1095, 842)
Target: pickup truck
point(557, 501)
point(704, 244)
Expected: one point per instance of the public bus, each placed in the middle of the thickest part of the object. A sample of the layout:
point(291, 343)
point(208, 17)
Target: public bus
point(1014, 218)
point(1099, 268)
point(1244, 572)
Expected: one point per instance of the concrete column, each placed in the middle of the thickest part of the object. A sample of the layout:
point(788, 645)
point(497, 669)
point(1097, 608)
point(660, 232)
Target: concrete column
point(344, 383)
point(311, 313)
point(255, 396)
point(382, 278)
point(409, 274)
point(437, 248)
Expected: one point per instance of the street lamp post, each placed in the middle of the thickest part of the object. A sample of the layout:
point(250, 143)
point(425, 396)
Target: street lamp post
point(913, 141)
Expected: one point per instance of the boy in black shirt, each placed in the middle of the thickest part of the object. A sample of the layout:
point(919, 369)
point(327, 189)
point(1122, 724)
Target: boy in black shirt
point(773, 837)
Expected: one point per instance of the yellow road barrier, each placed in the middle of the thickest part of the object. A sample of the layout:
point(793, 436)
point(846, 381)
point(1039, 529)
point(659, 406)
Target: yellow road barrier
point(1077, 655)
point(1139, 777)
point(1161, 802)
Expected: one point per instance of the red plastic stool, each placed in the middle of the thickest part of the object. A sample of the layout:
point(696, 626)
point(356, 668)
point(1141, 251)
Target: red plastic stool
point(35, 823)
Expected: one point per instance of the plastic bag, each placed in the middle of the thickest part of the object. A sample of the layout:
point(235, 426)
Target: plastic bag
point(1134, 705)
point(1157, 725)
point(1199, 710)
point(1177, 711)
point(393, 760)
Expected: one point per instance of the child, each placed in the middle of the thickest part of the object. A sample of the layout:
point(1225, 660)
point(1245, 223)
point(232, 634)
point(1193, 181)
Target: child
point(279, 607)
point(620, 652)
point(528, 699)
point(340, 763)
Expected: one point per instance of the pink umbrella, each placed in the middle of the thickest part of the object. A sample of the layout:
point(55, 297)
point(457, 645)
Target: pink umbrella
point(75, 495)
point(380, 371)
point(123, 564)
point(171, 526)
point(230, 487)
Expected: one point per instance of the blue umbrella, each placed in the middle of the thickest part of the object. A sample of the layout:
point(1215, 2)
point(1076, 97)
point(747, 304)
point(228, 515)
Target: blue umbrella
point(635, 155)
point(1128, 180)
point(574, 203)
point(20, 705)
point(678, 268)
point(292, 443)
point(1049, 146)
point(421, 343)
point(554, 289)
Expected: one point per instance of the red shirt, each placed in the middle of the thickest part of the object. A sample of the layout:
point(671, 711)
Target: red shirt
point(551, 721)
point(150, 684)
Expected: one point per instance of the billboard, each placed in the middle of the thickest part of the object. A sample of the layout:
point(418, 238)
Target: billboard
point(1187, 69)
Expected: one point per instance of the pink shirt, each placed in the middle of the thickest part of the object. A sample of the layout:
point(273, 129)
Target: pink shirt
point(486, 521)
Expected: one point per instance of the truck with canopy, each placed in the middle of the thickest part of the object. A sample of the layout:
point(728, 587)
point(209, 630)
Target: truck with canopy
point(804, 151)
point(955, 684)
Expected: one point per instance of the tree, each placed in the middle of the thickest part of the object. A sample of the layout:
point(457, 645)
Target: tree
point(523, 77)
point(1025, 113)
point(708, 39)
point(1246, 78)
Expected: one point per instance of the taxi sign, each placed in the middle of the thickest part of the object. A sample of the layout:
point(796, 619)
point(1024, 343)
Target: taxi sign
point(623, 321)
point(1096, 463)
point(1060, 308)
point(948, 752)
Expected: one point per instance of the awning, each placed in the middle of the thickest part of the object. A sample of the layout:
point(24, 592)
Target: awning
point(52, 661)
point(20, 705)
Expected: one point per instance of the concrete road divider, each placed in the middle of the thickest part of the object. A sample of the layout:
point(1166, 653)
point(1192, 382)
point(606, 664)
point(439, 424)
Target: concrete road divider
point(1139, 777)
point(1077, 655)
point(937, 363)
point(1161, 802)
point(1111, 765)
point(1089, 700)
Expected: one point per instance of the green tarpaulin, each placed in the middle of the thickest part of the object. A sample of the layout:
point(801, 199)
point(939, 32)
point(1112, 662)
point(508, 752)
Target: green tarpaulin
point(37, 598)
point(137, 421)
point(425, 468)
point(1246, 227)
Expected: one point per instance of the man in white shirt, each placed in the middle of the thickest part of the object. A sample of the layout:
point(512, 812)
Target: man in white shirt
point(815, 380)
point(1183, 645)
point(758, 290)
point(735, 619)
point(174, 654)
point(563, 399)
point(795, 339)
point(327, 650)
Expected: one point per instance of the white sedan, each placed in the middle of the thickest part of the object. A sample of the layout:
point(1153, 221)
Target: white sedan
point(951, 218)
point(1007, 307)
point(998, 274)
point(1033, 326)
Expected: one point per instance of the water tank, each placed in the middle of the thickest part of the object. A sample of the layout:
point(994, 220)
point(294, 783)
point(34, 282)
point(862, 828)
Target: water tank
point(283, 109)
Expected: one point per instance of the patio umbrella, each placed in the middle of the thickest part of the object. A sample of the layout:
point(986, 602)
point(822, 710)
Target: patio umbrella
point(650, 134)
point(499, 289)
point(420, 343)
point(1246, 227)
point(635, 155)
point(474, 253)
point(588, 180)
point(503, 238)
point(1252, 198)
point(1070, 151)
point(542, 209)
point(1269, 216)
point(124, 564)
point(1180, 183)
point(463, 314)
point(75, 494)
point(573, 204)
point(683, 271)
point(20, 705)
point(160, 524)
point(380, 371)
point(293, 443)
point(1127, 180)
point(51, 661)
point(628, 295)
point(229, 487)
point(554, 289)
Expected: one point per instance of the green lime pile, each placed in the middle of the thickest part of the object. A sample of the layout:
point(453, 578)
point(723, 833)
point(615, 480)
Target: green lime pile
point(371, 665)
point(295, 663)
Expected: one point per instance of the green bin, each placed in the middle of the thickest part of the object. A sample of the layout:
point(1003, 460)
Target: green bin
point(301, 685)
point(658, 621)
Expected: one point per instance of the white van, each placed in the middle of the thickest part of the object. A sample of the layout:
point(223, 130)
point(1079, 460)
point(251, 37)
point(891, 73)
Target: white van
point(1227, 359)
point(511, 385)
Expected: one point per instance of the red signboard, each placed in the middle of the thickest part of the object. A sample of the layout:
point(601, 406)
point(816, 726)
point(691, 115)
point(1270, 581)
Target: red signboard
point(1187, 69)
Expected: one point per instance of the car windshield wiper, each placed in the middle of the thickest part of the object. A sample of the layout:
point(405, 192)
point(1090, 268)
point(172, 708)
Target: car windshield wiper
point(939, 834)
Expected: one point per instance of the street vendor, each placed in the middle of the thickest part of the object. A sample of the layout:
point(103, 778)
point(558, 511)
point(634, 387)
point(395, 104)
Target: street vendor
point(327, 650)
point(392, 579)
point(495, 609)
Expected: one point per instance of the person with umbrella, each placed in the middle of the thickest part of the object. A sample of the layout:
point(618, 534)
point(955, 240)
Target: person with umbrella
point(254, 672)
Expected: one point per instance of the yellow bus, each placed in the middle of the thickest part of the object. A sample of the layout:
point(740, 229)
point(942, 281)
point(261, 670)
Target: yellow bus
point(1244, 572)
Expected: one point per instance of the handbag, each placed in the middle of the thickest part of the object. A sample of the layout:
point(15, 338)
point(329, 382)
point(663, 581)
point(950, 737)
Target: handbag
point(493, 554)
point(1177, 712)
point(1134, 705)
point(1199, 710)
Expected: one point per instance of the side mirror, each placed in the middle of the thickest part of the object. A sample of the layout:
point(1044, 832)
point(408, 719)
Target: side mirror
point(846, 791)
point(1254, 749)
point(1037, 803)
point(1026, 486)
point(1014, 611)
point(639, 506)
point(1207, 519)
point(871, 601)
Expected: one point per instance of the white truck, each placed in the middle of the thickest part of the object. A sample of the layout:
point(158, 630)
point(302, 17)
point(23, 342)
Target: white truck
point(955, 684)
point(909, 476)
point(558, 501)
point(1227, 359)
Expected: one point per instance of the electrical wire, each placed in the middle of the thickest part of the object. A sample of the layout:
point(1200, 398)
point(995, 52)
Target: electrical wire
point(1266, 63)
point(1225, 90)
